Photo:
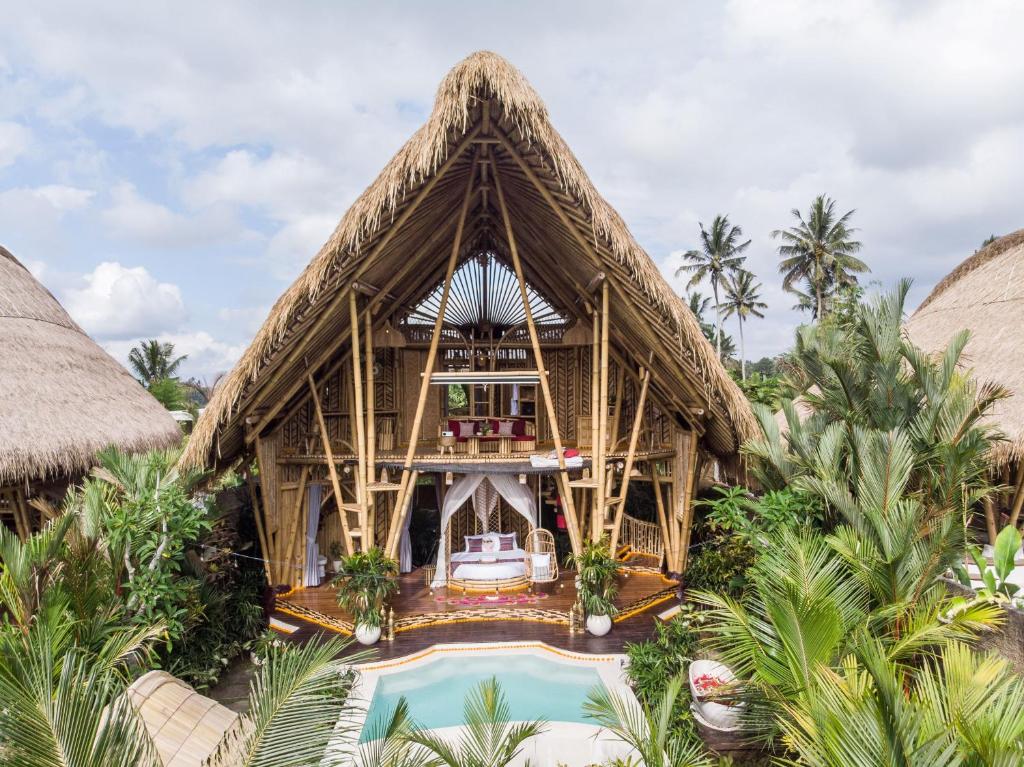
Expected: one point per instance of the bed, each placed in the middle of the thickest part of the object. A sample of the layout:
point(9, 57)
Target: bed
point(488, 561)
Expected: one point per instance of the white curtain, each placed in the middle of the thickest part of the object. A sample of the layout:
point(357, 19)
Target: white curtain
point(312, 575)
point(468, 486)
point(405, 545)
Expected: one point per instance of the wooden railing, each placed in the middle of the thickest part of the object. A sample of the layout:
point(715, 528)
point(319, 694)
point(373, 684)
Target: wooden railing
point(642, 537)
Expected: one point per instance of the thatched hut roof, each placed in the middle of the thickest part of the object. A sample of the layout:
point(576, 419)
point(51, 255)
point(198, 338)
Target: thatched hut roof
point(985, 295)
point(362, 248)
point(62, 398)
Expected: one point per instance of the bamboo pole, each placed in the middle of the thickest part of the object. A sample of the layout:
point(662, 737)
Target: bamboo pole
point(601, 446)
point(568, 503)
point(1018, 496)
point(634, 436)
point(687, 522)
point(659, 503)
point(357, 415)
point(403, 490)
point(613, 432)
point(257, 514)
point(371, 434)
point(296, 520)
point(269, 530)
point(332, 470)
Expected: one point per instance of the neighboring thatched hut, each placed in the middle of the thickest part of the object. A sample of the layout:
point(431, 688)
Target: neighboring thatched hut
point(481, 261)
point(985, 295)
point(62, 398)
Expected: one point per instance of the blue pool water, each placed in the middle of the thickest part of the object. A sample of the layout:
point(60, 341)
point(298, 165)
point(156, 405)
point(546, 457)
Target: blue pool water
point(535, 688)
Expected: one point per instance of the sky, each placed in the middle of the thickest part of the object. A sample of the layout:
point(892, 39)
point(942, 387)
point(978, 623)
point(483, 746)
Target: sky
point(167, 169)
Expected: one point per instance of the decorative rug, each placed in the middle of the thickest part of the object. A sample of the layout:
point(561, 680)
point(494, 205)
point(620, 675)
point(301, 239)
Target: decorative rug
point(491, 600)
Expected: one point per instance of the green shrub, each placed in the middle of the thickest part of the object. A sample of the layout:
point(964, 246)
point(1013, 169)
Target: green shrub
point(721, 566)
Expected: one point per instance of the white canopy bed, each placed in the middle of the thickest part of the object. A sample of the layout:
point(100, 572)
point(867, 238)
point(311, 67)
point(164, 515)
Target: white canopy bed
point(486, 519)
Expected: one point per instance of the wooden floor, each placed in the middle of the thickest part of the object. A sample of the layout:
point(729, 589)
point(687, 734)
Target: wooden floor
point(423, 618)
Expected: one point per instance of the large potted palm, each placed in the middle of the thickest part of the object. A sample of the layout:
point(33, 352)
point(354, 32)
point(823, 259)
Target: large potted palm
point(365, 580)
point(595, 583)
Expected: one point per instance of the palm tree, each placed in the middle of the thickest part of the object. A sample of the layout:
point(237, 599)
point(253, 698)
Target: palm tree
point(698, 303)
point(490, 738)
point(153, 361)
point(819, 249)
point(742, 298)
point(650, 732)
point(719, 255)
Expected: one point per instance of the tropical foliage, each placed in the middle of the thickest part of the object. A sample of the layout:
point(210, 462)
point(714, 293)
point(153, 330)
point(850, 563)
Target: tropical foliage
point(153, 361)
point(718, 256)
point(819, 251)
point(596, 571)
point(699, 305)
point(848, 646)
point(365, 581)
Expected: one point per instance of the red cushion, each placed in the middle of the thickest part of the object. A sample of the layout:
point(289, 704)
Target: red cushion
point(507, 541)
point(474, 543)
point(519, 428)
point(524, 438)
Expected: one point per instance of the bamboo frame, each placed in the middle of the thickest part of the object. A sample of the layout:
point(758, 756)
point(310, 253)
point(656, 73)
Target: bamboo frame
point(634, 436)
point(257, 514)
point(659, 503)
point(332, 469)
point(568, 502)
point(296, 518)
point(403, 491)
point(687, 521)
point(357, 415)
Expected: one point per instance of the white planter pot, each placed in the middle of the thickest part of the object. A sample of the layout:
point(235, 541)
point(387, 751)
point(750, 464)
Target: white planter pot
point(367, 634)
point(599, 625)
point(337, 565)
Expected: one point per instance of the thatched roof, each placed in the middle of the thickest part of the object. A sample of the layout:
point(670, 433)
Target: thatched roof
point(186, 727)
point(62, 398)
point(985, 295)
point(363, 248)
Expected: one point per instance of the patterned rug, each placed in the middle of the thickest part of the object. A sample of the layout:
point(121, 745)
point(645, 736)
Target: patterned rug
point(491, 600)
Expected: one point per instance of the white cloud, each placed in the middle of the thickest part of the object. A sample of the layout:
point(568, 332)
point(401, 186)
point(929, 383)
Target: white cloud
point(135, 218)
point(207, 357)
point(63, 197)
point(14, 140)
point(120, 302)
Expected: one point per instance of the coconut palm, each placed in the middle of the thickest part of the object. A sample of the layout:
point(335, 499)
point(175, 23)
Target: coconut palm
point(819, 249)
point(719, 255)
point(743, 298)
point(649, 731)
point(489, 739)
point(153, 361)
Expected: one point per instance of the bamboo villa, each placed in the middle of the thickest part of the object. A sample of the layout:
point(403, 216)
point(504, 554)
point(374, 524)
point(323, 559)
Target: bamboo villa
point(481, 336)
point(62, 400)
point(984, 295)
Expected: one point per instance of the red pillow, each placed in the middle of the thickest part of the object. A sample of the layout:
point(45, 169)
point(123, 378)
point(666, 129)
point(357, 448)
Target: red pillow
point(507, 541)
point(519, 427)
point(474, 543)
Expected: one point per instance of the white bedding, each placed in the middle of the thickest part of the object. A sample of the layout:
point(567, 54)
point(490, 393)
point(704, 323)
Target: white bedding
point(500, 556)
point(493, 571)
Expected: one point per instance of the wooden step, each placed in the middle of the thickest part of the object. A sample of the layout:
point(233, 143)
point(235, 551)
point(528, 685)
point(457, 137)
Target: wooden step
point(613, 500)
point(587, 483)
point(383, 487)
point(350, 507)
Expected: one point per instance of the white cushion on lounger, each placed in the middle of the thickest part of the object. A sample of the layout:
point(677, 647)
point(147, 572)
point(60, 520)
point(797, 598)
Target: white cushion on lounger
point(495, 571)
point(500, 556)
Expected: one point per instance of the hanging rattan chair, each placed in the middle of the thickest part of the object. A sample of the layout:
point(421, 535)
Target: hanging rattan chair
point(541, 560)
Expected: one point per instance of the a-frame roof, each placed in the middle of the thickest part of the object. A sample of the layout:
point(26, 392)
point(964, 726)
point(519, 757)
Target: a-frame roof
point(394, 241)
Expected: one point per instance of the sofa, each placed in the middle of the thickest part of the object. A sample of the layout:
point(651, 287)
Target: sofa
point(520, 432)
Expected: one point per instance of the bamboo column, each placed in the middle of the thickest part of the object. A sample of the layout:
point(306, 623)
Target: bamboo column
point(687, 521)
point(357, 415)
point(332, 469)
point(257, 514)
point(659, 503)
point(597, 513)
point(294, 532)
point(634, 436)
point(371, 436)
point(542, 373)
point(403, 491)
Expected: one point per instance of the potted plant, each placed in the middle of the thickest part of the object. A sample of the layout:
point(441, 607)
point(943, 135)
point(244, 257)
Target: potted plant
point(595, 583)
point(365, 581)
point(335, 552)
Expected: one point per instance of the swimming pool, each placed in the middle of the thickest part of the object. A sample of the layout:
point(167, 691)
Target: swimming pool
point(538, 681)
point(535, 687)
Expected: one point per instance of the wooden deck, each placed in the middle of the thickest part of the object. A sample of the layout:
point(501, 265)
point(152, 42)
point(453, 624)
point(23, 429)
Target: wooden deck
point(423, 617)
